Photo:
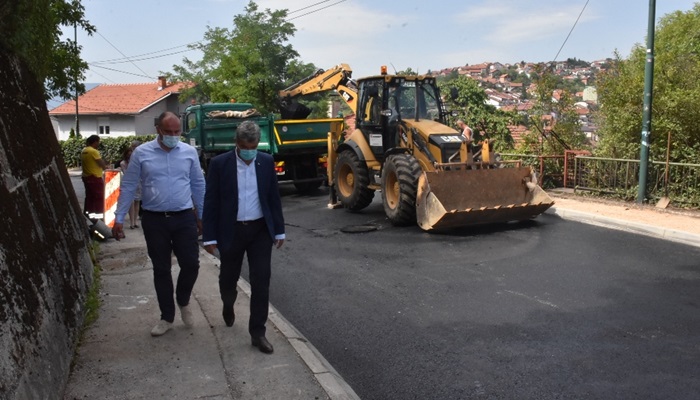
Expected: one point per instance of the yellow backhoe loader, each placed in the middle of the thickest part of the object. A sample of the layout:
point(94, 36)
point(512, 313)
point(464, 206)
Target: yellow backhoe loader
point(403, 146)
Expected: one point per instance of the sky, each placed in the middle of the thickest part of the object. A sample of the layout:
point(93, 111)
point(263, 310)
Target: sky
point(136, 40)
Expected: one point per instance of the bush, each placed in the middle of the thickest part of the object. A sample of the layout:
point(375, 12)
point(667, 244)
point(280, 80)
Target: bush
point(71, 149)
point(111, 148)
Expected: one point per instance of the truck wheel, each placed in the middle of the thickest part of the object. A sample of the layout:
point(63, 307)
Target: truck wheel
point(399, 187)
point(352, 181)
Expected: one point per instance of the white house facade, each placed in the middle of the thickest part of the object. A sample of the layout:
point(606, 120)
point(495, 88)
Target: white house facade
point(118, 110)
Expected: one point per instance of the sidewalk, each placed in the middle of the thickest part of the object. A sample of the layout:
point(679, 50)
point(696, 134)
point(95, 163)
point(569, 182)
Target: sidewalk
point(682, 226)
point(118, 358)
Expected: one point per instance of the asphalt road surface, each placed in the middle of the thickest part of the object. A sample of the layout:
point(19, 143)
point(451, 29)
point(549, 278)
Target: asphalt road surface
point(548, 309)
point(79, 189)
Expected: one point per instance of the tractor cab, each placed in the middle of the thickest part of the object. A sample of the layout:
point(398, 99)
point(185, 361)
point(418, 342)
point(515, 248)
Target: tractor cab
point(387, 100)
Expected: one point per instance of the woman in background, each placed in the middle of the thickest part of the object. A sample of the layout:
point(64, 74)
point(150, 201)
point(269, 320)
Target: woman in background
point(134, 210)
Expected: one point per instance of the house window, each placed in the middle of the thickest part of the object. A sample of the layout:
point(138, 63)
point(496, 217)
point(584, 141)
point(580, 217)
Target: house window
point(103, 125)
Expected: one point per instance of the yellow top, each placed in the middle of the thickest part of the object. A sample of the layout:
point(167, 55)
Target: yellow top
point(89, 158)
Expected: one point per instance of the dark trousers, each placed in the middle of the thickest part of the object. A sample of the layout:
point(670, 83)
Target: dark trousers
point(94, 194)
point(165, 235)
point(254, 240)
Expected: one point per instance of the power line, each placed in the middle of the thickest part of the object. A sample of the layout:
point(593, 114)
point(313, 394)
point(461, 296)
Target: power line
point(137, 57)
point(304, 8)
point(316, 10)
point(71, 102)
point(572, 29)
point(120, 52)
point(124, 88)
point(123, 72)
point(140, 57)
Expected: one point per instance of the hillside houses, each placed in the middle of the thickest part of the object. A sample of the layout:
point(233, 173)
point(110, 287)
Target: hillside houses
point(501, 99)
point(503, 93)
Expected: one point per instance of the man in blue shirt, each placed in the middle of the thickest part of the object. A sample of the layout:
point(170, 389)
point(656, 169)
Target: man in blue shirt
point(243, 216)
point(172, 195)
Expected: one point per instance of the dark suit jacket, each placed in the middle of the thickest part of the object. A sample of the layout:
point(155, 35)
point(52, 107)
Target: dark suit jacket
point(221, 198)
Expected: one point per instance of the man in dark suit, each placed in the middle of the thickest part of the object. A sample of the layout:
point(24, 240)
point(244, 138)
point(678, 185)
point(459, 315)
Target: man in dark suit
point(243, 215)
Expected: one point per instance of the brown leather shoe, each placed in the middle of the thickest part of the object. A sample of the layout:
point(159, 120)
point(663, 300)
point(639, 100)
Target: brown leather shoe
point(228, 315)
point(262, 344)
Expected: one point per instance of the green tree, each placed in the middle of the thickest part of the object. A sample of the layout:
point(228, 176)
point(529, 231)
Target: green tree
point(249, 62)
point(575, 62)
point(464, 96)
point(676, 101)
point(552, 121)
point(32, 29)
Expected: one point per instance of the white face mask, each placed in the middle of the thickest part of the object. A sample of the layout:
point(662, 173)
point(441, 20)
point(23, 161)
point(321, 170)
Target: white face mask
point(170, 141)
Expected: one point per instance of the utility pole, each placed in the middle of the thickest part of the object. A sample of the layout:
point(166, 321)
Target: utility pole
point(648, 96)
point(75, 78)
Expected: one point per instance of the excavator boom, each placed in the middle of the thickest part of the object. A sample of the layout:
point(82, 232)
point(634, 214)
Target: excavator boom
point(337, 78)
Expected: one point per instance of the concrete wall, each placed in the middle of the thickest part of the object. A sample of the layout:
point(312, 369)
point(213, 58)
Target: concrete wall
point(45, 267)
point(145, 121)
point(590, 93)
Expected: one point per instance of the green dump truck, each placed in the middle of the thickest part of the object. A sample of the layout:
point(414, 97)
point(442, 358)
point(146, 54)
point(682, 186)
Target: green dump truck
point(298, 146)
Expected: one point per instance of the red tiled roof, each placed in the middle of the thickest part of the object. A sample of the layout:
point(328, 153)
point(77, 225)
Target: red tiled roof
point(130, 98)
point(525, 106)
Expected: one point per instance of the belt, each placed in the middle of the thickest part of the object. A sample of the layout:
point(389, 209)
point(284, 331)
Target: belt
point(249, 222)
point(167, 214)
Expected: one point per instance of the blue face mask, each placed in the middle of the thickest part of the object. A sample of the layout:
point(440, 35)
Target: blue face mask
point(170, 141)
point(247, 155)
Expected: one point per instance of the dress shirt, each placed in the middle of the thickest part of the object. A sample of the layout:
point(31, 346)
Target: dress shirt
point(248, 200)
point(170, 181)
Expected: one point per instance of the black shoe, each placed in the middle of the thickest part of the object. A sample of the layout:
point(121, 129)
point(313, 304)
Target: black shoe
point(262, 344)
point(228, 315)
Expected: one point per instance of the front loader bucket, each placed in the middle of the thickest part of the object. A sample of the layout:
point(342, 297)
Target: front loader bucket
point(453, 199)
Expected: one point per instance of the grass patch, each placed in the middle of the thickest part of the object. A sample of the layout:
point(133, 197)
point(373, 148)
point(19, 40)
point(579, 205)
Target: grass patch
point(92, 300)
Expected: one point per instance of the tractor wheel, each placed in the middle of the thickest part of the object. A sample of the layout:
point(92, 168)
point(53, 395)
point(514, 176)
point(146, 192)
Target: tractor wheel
point(352, 181)
point(399, 187)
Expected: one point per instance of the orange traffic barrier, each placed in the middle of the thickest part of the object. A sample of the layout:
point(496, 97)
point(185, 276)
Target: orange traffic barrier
point(112, 178)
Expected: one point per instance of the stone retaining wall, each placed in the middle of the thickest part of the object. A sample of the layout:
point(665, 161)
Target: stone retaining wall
point(45, 266)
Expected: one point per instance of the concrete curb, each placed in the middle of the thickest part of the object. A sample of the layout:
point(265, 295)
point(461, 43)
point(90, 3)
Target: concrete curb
point(673, 235)
point(329, 379)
